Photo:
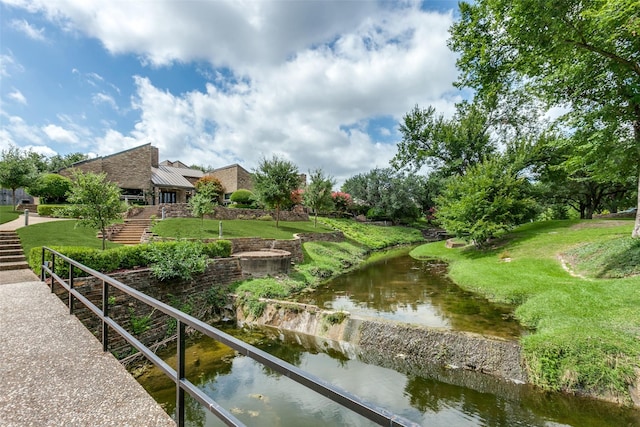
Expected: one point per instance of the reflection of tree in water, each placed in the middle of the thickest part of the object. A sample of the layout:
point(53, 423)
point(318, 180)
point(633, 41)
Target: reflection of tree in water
point(429, 395)
point(195, 415)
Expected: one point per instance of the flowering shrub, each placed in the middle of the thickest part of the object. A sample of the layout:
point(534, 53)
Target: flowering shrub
point(342, 201)
point(296, 196)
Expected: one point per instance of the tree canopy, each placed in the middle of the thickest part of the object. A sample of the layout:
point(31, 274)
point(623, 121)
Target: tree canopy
point(17, 169)
point(95, 200)
point(317, 195)
point(580, 54)
point(273, 182)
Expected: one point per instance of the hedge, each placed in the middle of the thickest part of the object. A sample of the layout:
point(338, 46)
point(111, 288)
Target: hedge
point(123, 257)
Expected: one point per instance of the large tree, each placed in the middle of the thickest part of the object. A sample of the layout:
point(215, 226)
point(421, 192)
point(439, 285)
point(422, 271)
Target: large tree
point(17, 169)
point(446, 146)
point(273, 182)
point(95, 200)
point(317, 196)
point(581, 54)
point(50, 187)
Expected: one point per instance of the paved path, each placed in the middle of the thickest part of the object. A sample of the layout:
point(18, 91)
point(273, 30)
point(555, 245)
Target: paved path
point(53, 371)
point(34, 218)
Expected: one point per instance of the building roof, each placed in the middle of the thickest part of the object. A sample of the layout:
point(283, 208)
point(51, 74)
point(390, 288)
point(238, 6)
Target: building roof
point(167, 176)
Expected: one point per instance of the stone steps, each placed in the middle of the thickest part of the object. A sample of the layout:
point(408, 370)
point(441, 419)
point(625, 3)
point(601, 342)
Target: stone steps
point(11, 254)
point(132, 231)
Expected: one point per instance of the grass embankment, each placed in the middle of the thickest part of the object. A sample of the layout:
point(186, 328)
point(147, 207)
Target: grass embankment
point(194, 228)
point(585, 330)
point(8, 214)
point(60, 233)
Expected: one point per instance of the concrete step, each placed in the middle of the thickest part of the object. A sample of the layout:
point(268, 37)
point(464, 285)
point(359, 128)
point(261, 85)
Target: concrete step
point(12, 258)
point(11, 247)
point(7, 266)
point(5, 252)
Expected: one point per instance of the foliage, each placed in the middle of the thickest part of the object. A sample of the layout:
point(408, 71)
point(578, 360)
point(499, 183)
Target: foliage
point(201, 205)
point(210, 187)
point(576, 53)
point(342, 201)
point(372, 236)
point(243, 198)
point(485, 203)
point(139, 324)
point(317, 195)
point(447, 146)
point(95, 201)
point(274, 180)
point(583, 333)
point(16, 170)
point(177, 260)
point(393, 195)
point(57, 162)
point(50, 187)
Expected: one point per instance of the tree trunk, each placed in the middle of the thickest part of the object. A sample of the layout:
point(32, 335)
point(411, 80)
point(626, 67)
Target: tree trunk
point(636, 228)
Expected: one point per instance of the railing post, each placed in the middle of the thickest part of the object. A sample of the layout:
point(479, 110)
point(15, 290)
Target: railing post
point(180, 374)
point(43, 274)
point(71, 299)
point(53, 269)
point(105, 314)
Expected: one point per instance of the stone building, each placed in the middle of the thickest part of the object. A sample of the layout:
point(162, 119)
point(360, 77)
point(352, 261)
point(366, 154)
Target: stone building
point(141, 177)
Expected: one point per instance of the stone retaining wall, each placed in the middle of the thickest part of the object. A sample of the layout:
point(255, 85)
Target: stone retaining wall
point(191, 296)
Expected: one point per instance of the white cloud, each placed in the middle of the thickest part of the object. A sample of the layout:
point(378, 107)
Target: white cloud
point(60, 134)
point(27, 29)
point(17, 96)
point(8, 65)
point(19, 133)
point(103, 98)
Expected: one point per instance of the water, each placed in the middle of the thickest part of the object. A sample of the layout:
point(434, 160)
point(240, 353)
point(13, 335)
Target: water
point(401, 288)
point(432, 397)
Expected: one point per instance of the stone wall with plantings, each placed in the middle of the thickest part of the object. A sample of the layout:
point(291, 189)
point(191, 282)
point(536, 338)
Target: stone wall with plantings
point(203, 296)
point(182, 210)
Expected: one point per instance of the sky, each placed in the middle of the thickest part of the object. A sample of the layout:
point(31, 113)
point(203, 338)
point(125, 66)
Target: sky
point(323, 84)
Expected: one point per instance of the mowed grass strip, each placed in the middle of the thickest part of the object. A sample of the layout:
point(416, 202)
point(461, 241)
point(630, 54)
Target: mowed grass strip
point(60, 233)
point(585, 331)
point(8, 214)
point(194, 228)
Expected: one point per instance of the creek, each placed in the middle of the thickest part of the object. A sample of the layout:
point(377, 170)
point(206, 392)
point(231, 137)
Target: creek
point(394, 287)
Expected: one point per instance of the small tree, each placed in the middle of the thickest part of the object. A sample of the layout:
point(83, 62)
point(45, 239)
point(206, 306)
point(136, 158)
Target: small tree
point(487, 201)
point(50, 187)
point(211, 187)
point(274, 180)
point(16, 170)
point(95, 201)
point(318, 195)
point(201, 205)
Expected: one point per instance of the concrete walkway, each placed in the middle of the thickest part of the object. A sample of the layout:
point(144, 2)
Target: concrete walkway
point(53, 371)
point(34, 218)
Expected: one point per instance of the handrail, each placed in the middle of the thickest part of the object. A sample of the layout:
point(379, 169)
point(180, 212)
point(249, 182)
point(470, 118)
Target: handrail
point(376, 414)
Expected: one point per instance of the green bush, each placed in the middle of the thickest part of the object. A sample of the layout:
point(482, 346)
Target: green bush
point(177, 260)
point(217, 249)
point(57, 211)
point(242, 197)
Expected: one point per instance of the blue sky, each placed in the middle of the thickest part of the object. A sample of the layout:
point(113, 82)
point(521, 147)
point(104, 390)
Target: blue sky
point(321, 83)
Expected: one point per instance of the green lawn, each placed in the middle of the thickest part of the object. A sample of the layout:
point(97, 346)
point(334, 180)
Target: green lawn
point(59, 233)
point(194, 228)
point(8, 214)
point(584, 330)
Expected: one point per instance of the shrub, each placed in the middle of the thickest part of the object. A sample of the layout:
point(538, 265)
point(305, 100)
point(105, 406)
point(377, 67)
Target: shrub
point(242, 198)
point(57, 211)
point(217, 249)
point(177, 260)
point(265, 218)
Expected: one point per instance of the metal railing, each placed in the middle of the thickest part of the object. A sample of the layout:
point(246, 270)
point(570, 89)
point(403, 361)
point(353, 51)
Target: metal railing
point(376, 414)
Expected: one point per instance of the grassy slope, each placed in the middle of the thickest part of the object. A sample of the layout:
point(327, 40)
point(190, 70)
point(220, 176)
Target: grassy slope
point(585, 330)
point(196, 228)
point(8, 214)
point(59, 233)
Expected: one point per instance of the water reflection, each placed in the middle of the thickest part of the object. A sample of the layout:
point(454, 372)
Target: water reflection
point(428, 395)
point(404, 289)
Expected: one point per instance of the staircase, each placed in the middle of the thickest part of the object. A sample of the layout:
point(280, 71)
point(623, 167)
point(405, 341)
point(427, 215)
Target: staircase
point(134, 227)
point(11, 254)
